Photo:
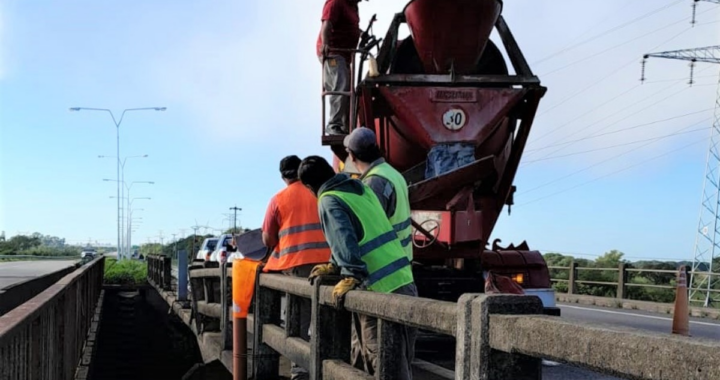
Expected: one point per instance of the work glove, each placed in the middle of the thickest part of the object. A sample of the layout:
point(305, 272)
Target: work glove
point(322, 270)
point(342, 287)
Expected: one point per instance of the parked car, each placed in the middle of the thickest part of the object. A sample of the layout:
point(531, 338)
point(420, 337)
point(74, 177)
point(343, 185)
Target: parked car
point(207, 247)
point(221, 249)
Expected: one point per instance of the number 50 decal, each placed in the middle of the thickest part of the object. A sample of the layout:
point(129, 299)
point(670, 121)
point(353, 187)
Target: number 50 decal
point(454, 119)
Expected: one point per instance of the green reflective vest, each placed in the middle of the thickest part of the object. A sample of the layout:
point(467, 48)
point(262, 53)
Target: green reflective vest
point(388, 268)
point(400, 218)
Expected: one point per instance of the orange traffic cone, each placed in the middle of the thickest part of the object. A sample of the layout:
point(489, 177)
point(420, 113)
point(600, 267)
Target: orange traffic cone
point(681, 319)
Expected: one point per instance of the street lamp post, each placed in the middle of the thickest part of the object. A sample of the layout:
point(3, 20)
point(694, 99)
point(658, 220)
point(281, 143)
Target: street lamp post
point(130, 221)
point(122, 180)
point(117, 134)
point(124, 249)
point(129, 204)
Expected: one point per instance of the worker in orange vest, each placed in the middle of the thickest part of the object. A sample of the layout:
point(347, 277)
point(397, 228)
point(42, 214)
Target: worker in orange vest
point(292, 228)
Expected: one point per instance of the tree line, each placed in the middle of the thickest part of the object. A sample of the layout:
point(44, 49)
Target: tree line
point(37, 244)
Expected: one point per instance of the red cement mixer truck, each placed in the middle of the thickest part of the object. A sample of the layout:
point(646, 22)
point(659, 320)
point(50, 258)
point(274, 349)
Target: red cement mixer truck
point(449, 114)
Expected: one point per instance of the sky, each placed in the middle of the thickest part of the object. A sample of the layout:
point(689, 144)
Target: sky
point(612, 163)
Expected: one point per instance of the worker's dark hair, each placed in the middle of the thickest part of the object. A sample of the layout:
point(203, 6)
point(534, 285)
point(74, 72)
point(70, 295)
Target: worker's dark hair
point(314, 171)
point(369, 154)
point(289, 167)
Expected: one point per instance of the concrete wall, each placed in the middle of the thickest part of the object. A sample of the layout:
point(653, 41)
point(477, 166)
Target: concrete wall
point(19, 293)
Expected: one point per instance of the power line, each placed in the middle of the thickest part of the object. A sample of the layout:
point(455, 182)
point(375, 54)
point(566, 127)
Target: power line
point(619, 130)
point(619, 120)
point(614, 47)
point(586, 88)
point(599, 163)
point(626, 144)
point(613, 173)
point(601, 34)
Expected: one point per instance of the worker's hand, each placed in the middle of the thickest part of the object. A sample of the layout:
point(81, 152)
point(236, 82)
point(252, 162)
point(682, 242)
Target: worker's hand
point(322, 270)
point(342, 287)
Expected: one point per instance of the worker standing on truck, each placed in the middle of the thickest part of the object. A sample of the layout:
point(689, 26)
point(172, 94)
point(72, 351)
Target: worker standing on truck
point(391, 190)
point(340, 30)
point(366, 251)
point(292, 228)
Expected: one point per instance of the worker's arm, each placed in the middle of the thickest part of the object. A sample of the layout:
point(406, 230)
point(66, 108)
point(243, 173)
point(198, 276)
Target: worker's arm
point(271, 225)
point(343, 233)
point(325, 33)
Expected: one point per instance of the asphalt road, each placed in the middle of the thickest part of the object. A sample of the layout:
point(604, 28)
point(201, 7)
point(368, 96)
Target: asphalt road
point(13, 272)
point(660, 323)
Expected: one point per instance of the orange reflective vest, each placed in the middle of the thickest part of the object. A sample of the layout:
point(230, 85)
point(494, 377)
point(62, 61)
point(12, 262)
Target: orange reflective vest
point(300, 238)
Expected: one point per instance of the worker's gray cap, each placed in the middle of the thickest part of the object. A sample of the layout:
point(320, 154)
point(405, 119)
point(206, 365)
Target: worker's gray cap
point(360, 140)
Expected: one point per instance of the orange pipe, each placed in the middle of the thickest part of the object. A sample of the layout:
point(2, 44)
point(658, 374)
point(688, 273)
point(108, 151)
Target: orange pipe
point(239, 348)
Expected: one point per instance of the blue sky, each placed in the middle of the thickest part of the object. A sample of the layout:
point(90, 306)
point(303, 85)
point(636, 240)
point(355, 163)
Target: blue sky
point(241, 85)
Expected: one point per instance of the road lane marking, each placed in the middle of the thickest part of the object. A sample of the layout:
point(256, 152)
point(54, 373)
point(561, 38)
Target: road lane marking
point(636, 315)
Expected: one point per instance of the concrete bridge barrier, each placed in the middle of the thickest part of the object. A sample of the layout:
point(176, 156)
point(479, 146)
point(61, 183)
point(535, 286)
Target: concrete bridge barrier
point(43, 338)
point(497, 336)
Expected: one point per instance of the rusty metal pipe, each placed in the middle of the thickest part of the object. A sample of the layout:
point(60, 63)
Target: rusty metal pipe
point(239, 348)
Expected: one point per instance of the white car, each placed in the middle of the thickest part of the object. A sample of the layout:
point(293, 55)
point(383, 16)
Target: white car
point(88, 252)
point(207, 247)
point(221, 248)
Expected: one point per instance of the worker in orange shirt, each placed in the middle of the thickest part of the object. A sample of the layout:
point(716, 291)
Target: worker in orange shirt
point(292, 228)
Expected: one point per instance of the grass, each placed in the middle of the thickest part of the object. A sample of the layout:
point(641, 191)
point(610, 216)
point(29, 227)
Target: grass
point(125, 272)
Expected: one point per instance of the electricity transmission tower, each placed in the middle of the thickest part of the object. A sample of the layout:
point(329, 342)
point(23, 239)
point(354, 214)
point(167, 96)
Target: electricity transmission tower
point(707, 239)
point(694, 8)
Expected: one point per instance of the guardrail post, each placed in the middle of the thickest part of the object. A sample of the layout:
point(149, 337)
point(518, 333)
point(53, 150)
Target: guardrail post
point(182, 275)
point(225, 297)
point(152, 268)
point(572, 276)
point(267, 310)
point(330, 337)
point(167, 272)
point(487, 363)
point(464, 335)
point(390, 337)
point(622, 279)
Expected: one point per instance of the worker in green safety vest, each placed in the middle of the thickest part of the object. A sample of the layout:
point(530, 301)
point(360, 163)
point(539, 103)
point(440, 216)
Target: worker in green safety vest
point(365, 251)
point(388, 184)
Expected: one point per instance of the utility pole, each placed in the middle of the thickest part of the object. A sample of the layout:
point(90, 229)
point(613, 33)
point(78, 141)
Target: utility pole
point(707, 239)
point(235, 209)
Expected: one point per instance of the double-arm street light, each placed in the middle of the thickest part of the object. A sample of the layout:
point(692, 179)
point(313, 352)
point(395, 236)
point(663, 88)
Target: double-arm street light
point(117, 123)
point(124, 247)
point(128, 237)
point(122, 180)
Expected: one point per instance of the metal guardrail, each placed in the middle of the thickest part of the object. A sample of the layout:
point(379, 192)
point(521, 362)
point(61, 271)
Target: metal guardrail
point(43, 338)
point(497, 336)
point(160, 271)
point(622, 282)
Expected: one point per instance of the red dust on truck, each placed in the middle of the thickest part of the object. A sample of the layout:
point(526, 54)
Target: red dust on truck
point(451, 117)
